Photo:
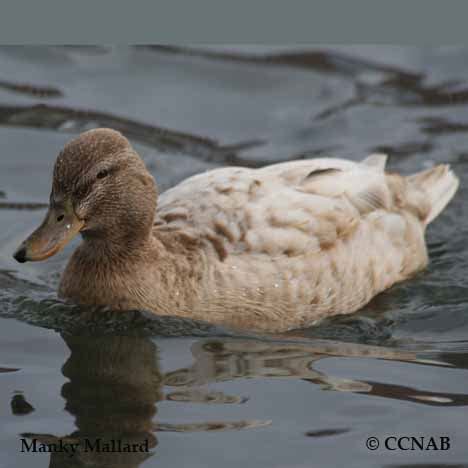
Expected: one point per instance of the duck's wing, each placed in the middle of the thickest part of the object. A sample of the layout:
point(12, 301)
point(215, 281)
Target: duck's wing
point(288, 209)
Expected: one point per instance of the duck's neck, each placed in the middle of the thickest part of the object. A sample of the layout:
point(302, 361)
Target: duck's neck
point(105, 271)
point(160, 272)
point(112, 248)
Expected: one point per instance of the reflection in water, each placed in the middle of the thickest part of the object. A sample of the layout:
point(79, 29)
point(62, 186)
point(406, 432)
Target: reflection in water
point(31, 90)
point(199, 396)
point(76, 120)
point(400, 392)
point(441, 126)
point(394, 85)
point(404, 87)
point(319, 60)
point(114, 385)
point(229, 359)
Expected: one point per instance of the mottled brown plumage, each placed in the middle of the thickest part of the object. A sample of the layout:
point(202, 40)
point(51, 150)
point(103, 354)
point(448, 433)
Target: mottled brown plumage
point(268, 249)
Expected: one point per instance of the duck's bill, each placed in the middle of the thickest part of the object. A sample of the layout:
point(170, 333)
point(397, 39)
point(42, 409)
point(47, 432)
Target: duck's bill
point(59, 227)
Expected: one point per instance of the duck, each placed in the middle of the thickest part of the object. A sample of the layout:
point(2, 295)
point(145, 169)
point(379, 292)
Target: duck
point(268, 249)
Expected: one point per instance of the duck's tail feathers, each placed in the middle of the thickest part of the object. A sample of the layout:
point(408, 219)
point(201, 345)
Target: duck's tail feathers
point(439, 185)
point(376, 160)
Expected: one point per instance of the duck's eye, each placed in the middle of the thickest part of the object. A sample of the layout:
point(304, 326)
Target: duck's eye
point(102, 174)
point(60, 218)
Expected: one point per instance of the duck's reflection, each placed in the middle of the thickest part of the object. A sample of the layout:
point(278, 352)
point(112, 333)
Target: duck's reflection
point(114, 385)
point(228, 359)
point(115, 382)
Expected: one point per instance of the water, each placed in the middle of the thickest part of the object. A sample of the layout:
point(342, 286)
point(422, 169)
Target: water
point(203, 396)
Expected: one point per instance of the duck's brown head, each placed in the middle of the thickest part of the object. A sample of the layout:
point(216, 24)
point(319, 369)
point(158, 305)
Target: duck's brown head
point(101, 189)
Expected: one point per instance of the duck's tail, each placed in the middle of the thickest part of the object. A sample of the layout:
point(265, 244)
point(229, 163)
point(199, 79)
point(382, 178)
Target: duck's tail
point(439, 185)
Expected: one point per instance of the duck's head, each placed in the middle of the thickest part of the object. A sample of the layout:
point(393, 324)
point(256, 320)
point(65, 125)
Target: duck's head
point(101, 189)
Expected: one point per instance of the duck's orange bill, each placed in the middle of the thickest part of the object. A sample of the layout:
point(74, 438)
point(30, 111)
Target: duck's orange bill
point(59, 227)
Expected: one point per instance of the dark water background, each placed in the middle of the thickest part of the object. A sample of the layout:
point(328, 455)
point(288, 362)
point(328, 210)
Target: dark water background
point(201, 396)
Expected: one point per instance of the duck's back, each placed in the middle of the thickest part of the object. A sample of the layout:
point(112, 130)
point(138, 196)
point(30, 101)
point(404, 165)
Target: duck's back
point(291, 243)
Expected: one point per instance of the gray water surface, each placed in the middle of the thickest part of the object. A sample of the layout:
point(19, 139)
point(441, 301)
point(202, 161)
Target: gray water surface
point(199, 395)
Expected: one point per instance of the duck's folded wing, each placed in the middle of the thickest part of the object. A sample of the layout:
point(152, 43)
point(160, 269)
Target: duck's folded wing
point(286, 209)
